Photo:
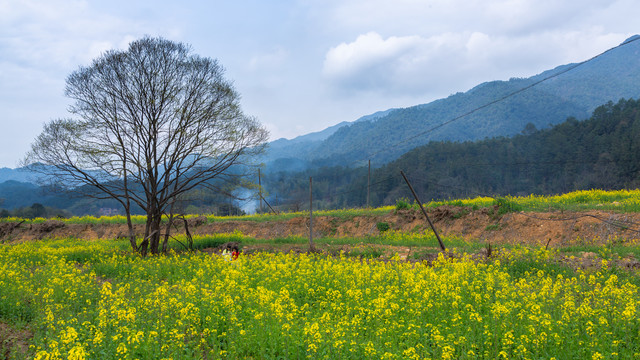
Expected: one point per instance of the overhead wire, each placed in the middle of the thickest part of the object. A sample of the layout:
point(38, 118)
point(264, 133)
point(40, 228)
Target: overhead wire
point(476, 109)
point(513, 93)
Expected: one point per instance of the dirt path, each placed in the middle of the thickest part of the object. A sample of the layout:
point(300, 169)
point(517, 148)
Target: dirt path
point(555, 228)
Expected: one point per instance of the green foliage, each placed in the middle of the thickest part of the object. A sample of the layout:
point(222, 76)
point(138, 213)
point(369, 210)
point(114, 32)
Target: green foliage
point(366, 252)
point(383, 226)
point(195, 305)
point(599, 153)
point(36, 210)
point(506, 205)
point(210, 242)
point(16, 306)
point(402, 204)
point(526, 262)
point(525, 267)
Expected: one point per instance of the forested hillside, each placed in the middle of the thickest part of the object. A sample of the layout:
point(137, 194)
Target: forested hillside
point(29, 200)
point(394, 134)
point(577, 92)
point(296, 154)
point(601, 152)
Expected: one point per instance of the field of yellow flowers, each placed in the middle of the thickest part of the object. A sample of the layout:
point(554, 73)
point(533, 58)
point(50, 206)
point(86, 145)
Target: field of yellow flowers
point(95, 300)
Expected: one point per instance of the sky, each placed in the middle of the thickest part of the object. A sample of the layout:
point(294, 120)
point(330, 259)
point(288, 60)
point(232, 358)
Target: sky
point(301, 65)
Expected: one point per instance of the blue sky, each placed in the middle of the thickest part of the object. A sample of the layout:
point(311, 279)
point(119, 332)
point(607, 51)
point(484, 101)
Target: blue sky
point(301, 65)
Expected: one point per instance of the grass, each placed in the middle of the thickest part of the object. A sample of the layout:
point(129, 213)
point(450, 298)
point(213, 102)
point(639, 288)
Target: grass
point(97, 300)
point(617, 200)
point(365, 252)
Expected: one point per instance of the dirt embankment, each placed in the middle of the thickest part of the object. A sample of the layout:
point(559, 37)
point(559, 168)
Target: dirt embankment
point(555, 227)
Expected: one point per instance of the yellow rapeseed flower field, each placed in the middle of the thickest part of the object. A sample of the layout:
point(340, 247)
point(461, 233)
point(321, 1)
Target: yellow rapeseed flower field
point(88, 300)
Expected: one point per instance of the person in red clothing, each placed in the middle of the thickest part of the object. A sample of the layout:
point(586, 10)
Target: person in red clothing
point(235, 252)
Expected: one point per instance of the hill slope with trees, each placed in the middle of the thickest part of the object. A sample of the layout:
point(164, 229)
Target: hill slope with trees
point(601, 152)
point(612, 76)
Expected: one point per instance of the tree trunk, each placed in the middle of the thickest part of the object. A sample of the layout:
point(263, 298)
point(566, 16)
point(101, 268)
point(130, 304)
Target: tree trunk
point(167, 233)
point(144, 245)
point(154, 221)
point(127, 203)
point(132, 235)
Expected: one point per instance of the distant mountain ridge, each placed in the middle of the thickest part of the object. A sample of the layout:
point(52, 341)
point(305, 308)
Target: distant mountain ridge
point(386, 135)
point(295, 154)
point(612, 76)
point(601, 152)
point(19, 174)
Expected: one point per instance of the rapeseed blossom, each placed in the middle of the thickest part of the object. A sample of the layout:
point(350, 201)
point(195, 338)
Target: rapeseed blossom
point(190, 306)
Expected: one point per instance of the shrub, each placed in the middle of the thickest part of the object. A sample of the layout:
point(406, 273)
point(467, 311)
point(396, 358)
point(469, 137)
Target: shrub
point(402, 203)
point(507, 205)
point(383, 226)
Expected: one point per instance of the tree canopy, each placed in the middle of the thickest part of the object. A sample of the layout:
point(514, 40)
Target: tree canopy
point(150, 123)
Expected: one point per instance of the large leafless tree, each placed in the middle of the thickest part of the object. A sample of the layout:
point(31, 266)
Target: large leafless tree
point(151, 123)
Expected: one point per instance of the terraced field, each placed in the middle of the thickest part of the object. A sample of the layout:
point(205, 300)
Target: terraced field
point(516, 282)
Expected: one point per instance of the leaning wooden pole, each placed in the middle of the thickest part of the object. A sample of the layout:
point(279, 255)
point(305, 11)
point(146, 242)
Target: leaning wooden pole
point(423, 210)
point(311, 247)
point(269, 205)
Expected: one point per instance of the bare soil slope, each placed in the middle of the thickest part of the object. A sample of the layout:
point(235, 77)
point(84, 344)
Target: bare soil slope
point(534, 228)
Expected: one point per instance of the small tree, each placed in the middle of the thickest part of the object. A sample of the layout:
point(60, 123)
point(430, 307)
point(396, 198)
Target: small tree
point(152, 123)
point(38, 210)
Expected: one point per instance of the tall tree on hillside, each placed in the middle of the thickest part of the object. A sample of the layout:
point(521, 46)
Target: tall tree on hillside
point(152, 123)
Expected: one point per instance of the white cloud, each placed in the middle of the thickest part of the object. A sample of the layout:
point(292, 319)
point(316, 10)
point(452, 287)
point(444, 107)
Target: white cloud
point(302, 65)
point(428, 17)
point(396, 64)
point(269, 60)
point(42, 42)
point(367, 51)
point(441, 64)
point(63, 34)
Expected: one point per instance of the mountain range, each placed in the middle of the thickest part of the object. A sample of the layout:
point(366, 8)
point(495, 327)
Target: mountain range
point(601, 152)
point(295, 154)
point(489, 110)
point(538, 102)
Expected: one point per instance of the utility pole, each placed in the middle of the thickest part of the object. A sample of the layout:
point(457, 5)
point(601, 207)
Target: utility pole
point(423, 211)
point(311, 247)
point(260, 190)
point(369, 185)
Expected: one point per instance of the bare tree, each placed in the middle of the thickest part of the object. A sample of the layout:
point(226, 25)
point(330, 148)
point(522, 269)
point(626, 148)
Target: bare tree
point(152, 123)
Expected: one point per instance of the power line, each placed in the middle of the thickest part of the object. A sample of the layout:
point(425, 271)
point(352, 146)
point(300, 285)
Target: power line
point(361, 188)
point(569, 68)
point(486, 105)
